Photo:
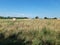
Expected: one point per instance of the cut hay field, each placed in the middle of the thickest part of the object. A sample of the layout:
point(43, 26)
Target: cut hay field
point(30, 32)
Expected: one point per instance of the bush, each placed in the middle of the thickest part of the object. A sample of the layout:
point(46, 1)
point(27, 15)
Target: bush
point(54, 18)
point(36, 17)
point(45, 18)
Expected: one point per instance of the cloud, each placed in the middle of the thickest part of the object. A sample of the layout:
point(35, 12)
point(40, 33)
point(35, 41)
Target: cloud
point(18, 14)
point(13, 14)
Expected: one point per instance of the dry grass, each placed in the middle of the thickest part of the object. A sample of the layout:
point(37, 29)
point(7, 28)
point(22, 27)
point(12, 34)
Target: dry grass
point(11, 27)
point(29, 24)
point(31, 30)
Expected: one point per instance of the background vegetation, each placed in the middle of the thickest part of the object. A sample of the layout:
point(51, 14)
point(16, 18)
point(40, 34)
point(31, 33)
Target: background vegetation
point(1, 17)
point(37, 17)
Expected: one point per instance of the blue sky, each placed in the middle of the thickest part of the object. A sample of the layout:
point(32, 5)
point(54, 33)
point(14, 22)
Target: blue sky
point(30, 8)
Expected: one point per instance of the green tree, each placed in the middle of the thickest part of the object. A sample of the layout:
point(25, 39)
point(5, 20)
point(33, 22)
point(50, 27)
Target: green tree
point(45, 18)
point(36, 17)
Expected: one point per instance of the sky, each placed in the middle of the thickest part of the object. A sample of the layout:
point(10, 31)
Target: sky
point(30, 8)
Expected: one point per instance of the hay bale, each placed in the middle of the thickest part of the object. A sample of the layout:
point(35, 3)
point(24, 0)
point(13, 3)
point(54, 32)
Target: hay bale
point(14, 19)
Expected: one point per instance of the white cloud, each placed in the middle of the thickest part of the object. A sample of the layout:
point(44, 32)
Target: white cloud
point(15, 14)
point(12, 14)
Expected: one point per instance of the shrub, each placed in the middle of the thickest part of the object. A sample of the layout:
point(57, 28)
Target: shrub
point(55, 18)
point(45, 18)
point(36, 17)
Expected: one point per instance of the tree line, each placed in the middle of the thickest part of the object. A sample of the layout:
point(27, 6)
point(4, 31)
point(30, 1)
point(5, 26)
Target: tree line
point(45, 17)
point(1, 17)
point(37, 17)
